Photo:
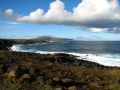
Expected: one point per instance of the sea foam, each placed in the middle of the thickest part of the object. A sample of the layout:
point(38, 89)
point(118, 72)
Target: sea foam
point(14, 48)
point(104, 59)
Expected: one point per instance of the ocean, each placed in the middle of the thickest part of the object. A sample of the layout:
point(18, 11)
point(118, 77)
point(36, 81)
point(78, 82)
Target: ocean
point(103, 52)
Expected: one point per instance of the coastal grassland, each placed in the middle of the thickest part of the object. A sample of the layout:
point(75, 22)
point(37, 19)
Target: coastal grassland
point(30, 71)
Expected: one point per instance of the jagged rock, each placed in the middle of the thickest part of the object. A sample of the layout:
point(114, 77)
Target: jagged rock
point(11, 74)
point(40, 79)
point(50, 64)
point(49, 81)
point(11, 71)
point(65, 80)
point(1, 69)
point(25, 77)
point(4, 68)
point(20, 71)
point(58, 88)
point(70, 77)
point(32, 71)
point(13, 67)
point(57, 79)
point(72, 88)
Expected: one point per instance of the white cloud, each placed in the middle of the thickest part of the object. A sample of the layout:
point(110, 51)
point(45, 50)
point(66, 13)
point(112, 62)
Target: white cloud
point(98, 30)
point(95, 14)
point(9, 12)
point(55, 15)
point(35, 16)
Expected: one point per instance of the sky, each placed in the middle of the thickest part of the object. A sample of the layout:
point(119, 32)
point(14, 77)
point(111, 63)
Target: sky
point(89, 20)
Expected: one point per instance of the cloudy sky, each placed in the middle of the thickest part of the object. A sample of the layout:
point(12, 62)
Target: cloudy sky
point(77, 19)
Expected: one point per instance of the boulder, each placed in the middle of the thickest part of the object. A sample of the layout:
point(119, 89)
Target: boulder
point(56, 79)
point(13, 67)
point(32, 71)
point(25, 77)
point(59, 88)
point(11, 74)
point(72, 88)
point(40, 79)
point(66, 80)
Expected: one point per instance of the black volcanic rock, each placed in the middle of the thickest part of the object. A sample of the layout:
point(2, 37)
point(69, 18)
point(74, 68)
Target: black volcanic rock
point(59, 71)
point(5, 44)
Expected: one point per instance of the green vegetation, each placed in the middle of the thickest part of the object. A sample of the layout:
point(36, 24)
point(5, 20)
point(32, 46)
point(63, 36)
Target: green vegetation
point(42, 39)
point(29, 71)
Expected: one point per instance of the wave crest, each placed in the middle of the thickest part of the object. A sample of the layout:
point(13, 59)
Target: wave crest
point(104, 59)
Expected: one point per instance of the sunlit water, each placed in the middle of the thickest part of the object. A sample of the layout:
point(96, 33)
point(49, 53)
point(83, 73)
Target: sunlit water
point(106, 53)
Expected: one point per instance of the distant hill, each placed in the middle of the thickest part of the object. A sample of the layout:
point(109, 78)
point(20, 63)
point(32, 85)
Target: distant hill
point(5, 43)
point(42, 39)
point(48, 39)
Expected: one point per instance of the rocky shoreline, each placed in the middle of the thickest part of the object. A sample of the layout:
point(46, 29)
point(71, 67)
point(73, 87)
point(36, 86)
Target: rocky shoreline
point(24, 71)
point(32, 71)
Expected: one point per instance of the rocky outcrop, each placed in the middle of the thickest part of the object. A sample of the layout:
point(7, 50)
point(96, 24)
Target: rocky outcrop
point(5, 44)
point(59, 72)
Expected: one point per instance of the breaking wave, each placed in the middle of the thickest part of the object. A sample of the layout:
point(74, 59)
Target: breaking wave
point(104, 59)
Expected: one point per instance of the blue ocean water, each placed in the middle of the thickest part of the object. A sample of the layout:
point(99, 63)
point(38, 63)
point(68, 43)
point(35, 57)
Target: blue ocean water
point(103, 52)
